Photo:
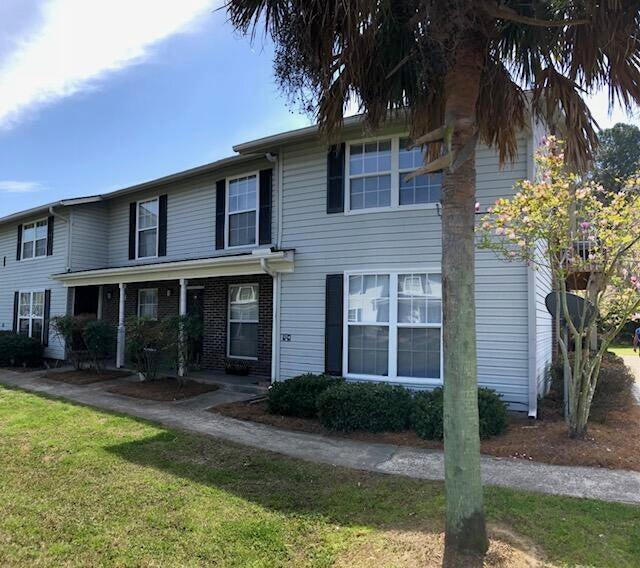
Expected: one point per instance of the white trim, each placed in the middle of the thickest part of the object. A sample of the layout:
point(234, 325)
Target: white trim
point(34, 241)
point(394, 173)
point(229, 322)
point(138, 229)
point(140, 290)
point(31, 317)
point(279, 261)
point(227, 225)
point(392, 325)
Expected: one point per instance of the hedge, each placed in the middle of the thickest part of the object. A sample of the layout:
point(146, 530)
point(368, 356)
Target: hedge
point(19, 350)
point(299, 396)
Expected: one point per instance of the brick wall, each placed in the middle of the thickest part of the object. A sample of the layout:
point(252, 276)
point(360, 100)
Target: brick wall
point(215, 300)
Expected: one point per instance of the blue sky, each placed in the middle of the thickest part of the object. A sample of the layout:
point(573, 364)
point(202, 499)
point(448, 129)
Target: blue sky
point(97, 95)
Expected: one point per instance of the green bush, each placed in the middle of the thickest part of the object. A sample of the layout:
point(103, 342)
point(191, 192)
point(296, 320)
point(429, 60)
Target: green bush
point(373, 407)
point(19, 350)
point(299, 396)
point(99, 337)
point(147, 344)
point(428, 408)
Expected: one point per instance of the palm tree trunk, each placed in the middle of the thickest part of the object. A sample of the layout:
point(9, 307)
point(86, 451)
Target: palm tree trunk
point(466, 534)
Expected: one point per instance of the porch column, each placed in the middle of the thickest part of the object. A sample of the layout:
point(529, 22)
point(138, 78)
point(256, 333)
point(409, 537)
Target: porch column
point(121, 330)
point(182, 312)
point(100, 294)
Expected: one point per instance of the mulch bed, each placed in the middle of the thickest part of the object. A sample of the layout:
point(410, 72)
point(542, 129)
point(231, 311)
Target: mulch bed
point(85, 376)
point(23, 369)
point(165, 389)
point(614, 444)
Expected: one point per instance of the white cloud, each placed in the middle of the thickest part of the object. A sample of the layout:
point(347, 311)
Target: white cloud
point(12, 186)
point(78, 42)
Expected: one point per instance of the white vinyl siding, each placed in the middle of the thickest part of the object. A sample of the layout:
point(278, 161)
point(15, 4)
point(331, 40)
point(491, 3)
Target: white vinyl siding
point(243, 317)
point(395, 239)
point(34, 239)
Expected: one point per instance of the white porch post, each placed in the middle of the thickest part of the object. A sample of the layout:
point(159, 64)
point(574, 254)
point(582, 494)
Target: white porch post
point(121, 330)
point(182, 312)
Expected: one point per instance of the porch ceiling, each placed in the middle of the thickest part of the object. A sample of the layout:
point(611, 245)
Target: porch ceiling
point(260, 261)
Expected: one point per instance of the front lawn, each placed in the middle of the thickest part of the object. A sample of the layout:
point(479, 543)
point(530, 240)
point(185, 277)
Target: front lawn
point(83, 487)
point(622, 349)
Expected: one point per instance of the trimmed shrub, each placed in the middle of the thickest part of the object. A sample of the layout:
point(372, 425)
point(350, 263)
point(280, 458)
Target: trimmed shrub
point(19, 350)
point(99, 337)
point(299, 396)
point(373, 407)
point(428, 410)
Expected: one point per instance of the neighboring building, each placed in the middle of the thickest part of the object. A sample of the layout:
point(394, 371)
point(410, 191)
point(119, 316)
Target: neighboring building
point(298, 257)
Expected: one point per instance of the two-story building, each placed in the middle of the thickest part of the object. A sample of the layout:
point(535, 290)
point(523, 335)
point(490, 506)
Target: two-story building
point(297, 256)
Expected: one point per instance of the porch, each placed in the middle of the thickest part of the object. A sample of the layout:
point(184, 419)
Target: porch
point(235, 297)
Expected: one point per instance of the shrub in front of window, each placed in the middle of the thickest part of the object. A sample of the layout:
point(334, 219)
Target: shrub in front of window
point(183, 336)
point(70, 330)
point(373, 407)
point(299, 396)
point(427, 417)
point(19, 350)
point(147, 343)
point(99, 338)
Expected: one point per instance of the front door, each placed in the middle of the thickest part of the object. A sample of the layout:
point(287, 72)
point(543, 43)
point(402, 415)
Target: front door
point(195, 308)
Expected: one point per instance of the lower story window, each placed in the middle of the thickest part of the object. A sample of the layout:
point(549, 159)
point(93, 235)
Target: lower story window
point(31, 314)
point(148, 303)
point(243, 321)
point(394, 325)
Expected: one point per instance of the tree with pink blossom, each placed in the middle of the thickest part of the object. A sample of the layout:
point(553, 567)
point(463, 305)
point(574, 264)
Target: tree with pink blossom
point(590, 246)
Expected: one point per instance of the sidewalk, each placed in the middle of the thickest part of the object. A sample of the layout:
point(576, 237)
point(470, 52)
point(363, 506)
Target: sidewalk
point(608, 485)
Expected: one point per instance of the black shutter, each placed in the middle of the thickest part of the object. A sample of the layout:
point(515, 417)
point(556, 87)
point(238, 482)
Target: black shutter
point(45, 319)
point(19, 250)
point(221, 190)
point(16, 300)
point(333, 324)
point(50, 221)
point(264, 220)
point(133, 209)
point(335, 179)
point(162, 225)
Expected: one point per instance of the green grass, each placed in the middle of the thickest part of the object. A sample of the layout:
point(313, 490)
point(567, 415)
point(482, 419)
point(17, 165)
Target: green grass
point(83, 487)
point(620, 350)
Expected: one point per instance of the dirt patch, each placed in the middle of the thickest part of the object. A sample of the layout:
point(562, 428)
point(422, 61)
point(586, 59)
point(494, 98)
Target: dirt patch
point(614, 444)
point(23, 369)
point(85, 376)
point(166, 389)
point(413, 549)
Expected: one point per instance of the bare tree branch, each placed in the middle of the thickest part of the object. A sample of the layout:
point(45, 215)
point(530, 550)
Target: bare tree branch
point(504, 13)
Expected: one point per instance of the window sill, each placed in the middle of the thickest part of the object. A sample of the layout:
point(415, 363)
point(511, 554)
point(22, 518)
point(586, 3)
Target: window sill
point(397, 380)
point(238, 358)
point(418, 207)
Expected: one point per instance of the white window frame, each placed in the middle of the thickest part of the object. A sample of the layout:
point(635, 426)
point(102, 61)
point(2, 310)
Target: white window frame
point(23, 241)
point(229, 321)
point(395, 172)
point(227, 214)
point(392, 324)
point(139, 230)
point(31, 317)
point(140, 290)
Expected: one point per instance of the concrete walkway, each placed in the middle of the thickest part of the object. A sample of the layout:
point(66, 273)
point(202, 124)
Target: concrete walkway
point(633, 362)
point(191, 415)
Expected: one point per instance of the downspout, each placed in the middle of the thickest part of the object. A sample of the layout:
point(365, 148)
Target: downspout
point(275, 323)
point(68, 221)
point(532, 343)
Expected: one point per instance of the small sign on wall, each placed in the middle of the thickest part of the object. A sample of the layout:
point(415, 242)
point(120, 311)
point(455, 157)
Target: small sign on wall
point(286, 337)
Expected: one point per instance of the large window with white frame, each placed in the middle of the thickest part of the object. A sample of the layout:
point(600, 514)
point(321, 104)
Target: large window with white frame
point(242, 211)
point(376, 171)
point(34, 239)
point(394, 325)
point(243, 321)
point(31, 314)
point(147, 228)
point(148, 303)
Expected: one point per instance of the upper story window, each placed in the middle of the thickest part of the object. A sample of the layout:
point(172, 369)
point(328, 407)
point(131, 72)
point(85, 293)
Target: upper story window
point(375, 176)
point(242, 211)
point(147, 228)
point(34, 239)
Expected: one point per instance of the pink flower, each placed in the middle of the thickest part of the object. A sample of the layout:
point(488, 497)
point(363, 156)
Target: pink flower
point(477, 206)
point(499, 231)
point(634, 279)
point(585, 225)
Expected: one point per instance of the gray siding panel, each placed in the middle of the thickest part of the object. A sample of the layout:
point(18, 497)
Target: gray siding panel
point(89, 237)
point(544, 328)
point(329, 244)
point(33, 275)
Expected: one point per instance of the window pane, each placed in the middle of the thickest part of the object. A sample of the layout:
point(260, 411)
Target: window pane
point(38, 304)
point(41, 247)
point(434, 311)
point(419, 352)
point(243, 303)
point(242, 229)
point(23, 327)
point(369, 298)
point(28, 232)
point(242, 194)
point(41, 230)
point(412, 298)
point(27, 249)
point(421, 189)
point(371, 191)
point(435, 285)
point(148, 303)
point(369, 350)
point(370, 158)
point(148, 214)
point(36, 329)
point(147, 243)
point(243, 339)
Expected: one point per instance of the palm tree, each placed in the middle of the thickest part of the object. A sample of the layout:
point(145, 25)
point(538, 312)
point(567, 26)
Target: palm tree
point(459, 69)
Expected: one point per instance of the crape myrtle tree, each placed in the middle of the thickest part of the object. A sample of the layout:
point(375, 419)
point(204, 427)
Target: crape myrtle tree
point(561, 224)
point(458, 70)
